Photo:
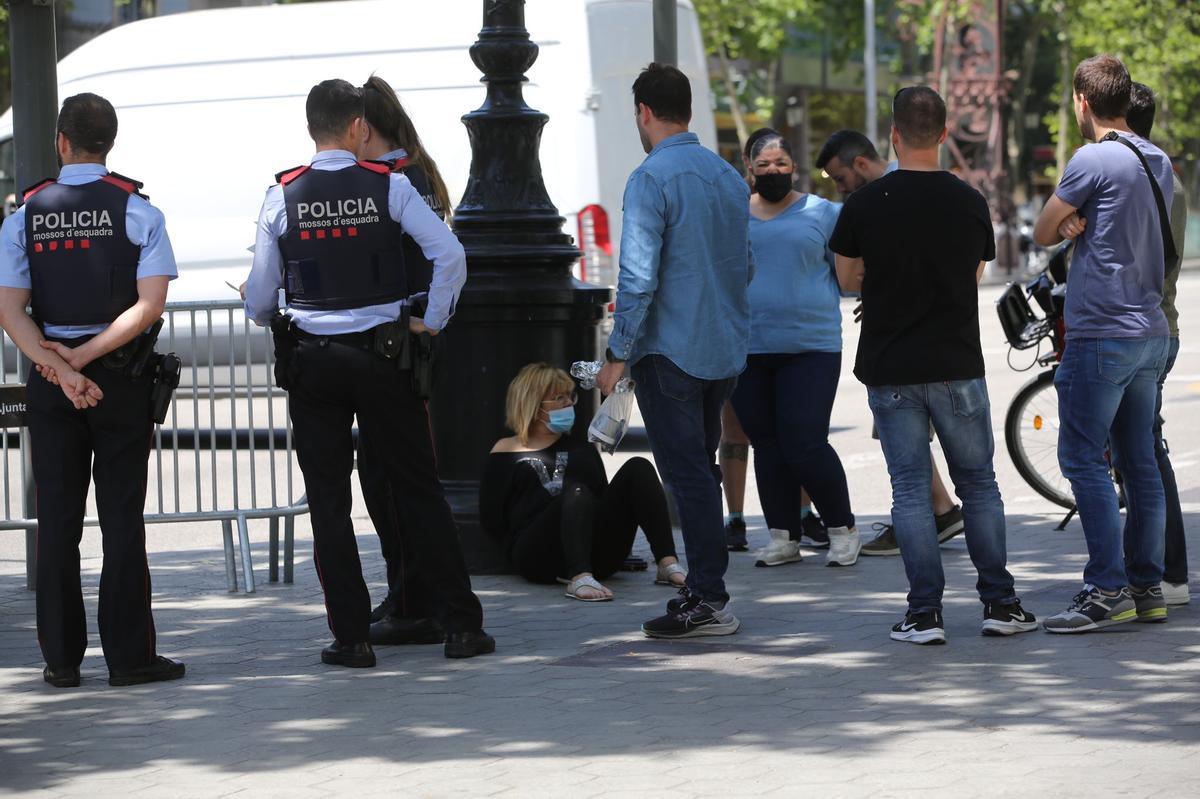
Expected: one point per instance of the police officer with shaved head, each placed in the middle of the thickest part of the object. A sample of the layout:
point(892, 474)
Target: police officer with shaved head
point(329, 235)
point(91, 257)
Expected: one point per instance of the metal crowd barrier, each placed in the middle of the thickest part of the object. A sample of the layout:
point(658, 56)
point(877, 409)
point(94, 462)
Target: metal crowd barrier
point(224, 453)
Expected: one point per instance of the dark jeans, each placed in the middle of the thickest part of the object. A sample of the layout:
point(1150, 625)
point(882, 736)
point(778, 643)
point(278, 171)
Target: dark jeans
point(582, 532)
point(332, 382)
point(683, 422)
point(784, 402)
point(1107, 391)
point(407, 589)
point(1175, 564)
point(112, 442)
point(962, 416)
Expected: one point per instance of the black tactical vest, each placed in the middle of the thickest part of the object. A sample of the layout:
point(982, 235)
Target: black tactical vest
point(81, 263)
point(417, 267)
point(341, 248)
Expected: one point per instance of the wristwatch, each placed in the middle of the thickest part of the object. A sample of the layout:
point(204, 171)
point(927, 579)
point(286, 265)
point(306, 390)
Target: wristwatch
point(610, 358)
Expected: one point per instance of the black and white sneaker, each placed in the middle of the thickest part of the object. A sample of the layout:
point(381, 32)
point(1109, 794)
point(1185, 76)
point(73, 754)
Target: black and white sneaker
point(920, 628)
point(735, 535)
point(685, 599)
point(696, 618)
point(1007, 619)
point(813, 532)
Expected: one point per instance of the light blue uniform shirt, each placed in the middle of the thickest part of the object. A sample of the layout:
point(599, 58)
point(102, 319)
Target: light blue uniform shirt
point(685, 262)
point(404, 206)
point(144, 226)
point(795, 302)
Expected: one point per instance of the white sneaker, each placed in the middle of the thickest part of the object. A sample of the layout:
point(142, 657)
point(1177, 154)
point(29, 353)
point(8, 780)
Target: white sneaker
point(844, 546)
point(1176, 593)
point(781, 550)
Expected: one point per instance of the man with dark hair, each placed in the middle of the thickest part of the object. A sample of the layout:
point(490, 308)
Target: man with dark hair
point(851, 161)
point(1116, 349)
point(1175, 567)
point(682, 322)
point(92, 257)
point(915, 243)
point(330, 235)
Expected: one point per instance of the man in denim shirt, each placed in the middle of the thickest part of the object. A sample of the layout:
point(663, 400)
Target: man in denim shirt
point(1116, 351)
point(682, 323)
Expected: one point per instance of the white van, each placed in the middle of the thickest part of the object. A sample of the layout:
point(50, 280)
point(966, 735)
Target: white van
point(211, 106)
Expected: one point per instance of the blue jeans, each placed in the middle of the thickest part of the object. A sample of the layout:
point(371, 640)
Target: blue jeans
point(1107, 392)
point(784, 402)
point(961, 415)
point(683, 422)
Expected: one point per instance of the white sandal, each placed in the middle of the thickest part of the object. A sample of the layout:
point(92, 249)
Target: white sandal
point(587, 581)
point(664, 575)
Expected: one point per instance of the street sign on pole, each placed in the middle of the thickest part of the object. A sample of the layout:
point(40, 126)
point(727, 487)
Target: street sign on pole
point(35, 116)
point(666, 32)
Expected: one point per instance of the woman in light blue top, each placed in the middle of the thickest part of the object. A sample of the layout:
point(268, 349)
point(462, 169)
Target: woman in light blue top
point(784, 399)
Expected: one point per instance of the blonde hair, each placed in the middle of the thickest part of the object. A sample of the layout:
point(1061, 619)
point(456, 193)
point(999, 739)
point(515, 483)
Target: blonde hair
point(525, 394)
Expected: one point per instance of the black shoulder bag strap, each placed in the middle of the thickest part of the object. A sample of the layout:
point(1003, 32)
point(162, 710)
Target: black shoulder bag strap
point(1170, 254)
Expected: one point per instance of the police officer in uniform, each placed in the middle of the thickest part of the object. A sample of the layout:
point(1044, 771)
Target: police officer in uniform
point(329, 235)
point(407, 614)
point(92, 257)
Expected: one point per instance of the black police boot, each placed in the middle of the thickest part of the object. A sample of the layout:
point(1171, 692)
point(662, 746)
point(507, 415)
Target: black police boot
point(395, 631)
point(384, 609)
point(65, 677)
point(157, 670)
point(468, 645)
point(354, 656)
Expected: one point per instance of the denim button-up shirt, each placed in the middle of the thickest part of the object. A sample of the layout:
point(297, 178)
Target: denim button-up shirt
point(685, 262)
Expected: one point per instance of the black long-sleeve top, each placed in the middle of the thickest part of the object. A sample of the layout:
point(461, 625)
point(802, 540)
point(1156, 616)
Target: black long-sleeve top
point(518, 487)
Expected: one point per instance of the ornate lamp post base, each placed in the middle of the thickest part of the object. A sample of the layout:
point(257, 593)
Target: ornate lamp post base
point(521, 303)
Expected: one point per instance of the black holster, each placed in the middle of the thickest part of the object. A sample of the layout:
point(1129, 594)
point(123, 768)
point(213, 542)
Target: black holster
point(135, 357)
point(284, 337)
point(166, 379)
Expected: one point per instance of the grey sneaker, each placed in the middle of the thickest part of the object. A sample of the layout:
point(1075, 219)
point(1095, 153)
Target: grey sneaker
point(949, 524)
point(1176, 593)
point(1092, 610)
point(884, 543)
point(1151, 606)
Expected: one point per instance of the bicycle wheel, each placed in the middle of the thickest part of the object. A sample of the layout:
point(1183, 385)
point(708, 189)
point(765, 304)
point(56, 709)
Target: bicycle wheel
point(1031, 433)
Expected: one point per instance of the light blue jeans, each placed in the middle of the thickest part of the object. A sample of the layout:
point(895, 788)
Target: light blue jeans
point(1108, 389)
point(961, 415)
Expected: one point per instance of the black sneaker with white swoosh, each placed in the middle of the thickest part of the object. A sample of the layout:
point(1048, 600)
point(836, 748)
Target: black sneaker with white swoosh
point(694, 619)
point(1007, 619)
point(920, 628)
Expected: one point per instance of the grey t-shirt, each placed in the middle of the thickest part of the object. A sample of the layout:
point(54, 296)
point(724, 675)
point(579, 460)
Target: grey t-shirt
point(1178, 230)
point(1115, 285)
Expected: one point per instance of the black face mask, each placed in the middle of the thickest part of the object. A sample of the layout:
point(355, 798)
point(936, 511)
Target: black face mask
point(774, 186)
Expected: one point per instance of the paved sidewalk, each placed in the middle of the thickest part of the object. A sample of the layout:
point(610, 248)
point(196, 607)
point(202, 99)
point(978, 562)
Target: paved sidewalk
point(811, 697)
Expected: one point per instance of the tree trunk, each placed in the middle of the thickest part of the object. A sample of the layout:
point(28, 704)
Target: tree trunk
point(1066, 104)
point(735, 105)
point(1016, 140)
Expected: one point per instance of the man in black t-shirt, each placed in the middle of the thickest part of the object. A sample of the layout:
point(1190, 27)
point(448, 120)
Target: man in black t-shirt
point(914, 243)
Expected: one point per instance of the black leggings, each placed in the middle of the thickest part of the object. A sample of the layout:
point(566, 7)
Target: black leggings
point(582, 532)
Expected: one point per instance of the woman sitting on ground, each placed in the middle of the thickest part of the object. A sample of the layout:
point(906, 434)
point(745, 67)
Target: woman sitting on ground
point(548, 502)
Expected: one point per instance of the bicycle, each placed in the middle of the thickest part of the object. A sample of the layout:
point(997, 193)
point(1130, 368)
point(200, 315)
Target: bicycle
point(1031, 425)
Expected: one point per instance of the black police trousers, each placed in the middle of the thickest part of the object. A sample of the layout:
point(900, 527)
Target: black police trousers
point(331, 383)
point(110, 443)
point(407, 590)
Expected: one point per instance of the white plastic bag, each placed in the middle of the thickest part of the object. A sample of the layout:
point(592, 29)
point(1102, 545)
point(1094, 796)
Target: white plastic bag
point(612, 419)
